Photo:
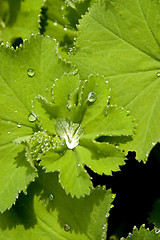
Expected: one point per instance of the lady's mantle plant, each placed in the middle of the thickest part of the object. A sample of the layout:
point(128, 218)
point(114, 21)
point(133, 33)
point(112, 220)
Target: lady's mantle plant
point(53, 122)
point(56, 125)
point(78, 113)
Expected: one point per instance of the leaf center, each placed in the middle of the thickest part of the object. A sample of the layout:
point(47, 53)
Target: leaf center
point(69, 131)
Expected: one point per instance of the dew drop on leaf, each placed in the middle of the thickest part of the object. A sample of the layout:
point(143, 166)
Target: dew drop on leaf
point(67, 227)
point(9, 132)
point(19, 125)
point(92, 97)
point(30, 72)
point(32, 117)
point(51, 197)
point(158, 74)
point(157, 231)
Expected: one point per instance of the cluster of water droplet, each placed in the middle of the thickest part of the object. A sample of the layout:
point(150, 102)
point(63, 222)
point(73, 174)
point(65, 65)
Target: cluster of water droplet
point(41, 142)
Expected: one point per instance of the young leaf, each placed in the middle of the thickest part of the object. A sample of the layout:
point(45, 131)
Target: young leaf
point(100, 157)
point(19, 19)
point(48, 213)
point(142, 234)
point(120, 40)
point(79, 105)
point(73, 177)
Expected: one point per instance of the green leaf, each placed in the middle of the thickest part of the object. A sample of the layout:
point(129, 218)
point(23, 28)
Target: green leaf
point(120, 40)
point(19, 20)
point(62, 91)
point(113, 121)
point(58, 24)
point(73, 177)
point(62, 18)
point(18, 90)
point(15, 174)
point(100, 157)
point(94, 96)
point(47, 211)
point(142, 234)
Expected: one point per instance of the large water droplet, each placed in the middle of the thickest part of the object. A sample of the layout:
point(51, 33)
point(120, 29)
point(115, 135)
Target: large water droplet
point(67, 227)
point(19, 125)
point(30, 72)
point(51, 197)
point(92, 97)
point(157, 231)
point(158, 74)
point(70, 132)
point(32, 117)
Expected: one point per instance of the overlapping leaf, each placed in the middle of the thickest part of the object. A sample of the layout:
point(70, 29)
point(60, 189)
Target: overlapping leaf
point(80, 115)
point(48, 213)
point(120, 40)
point(18, 87)
point(19, 19)
point(62, 18)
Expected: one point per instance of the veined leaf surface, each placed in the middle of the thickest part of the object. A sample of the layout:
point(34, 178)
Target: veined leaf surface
point(24, 73)
point(48, 213)
point(121, 40)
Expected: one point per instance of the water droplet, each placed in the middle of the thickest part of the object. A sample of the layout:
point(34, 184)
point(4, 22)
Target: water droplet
point(67, 227)
point(68, 107)
point(9, 132)
point(70, 132)
point(153, 143)
point(19, 125)
point(32, 117)
point(92, 97)
point(30, 72)
point(157, 231)
point(158, 74)
point(51, 197)
point(65, 29)
point(129, 235)
point(62, 7)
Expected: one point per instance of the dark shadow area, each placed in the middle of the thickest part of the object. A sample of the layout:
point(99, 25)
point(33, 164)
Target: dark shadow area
point(13, 11)
point(71, 210)
point(22, 213)
point(21, 161)
point(16, 42)
point(44, 18)
point(135, 187)
point(116, 140)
